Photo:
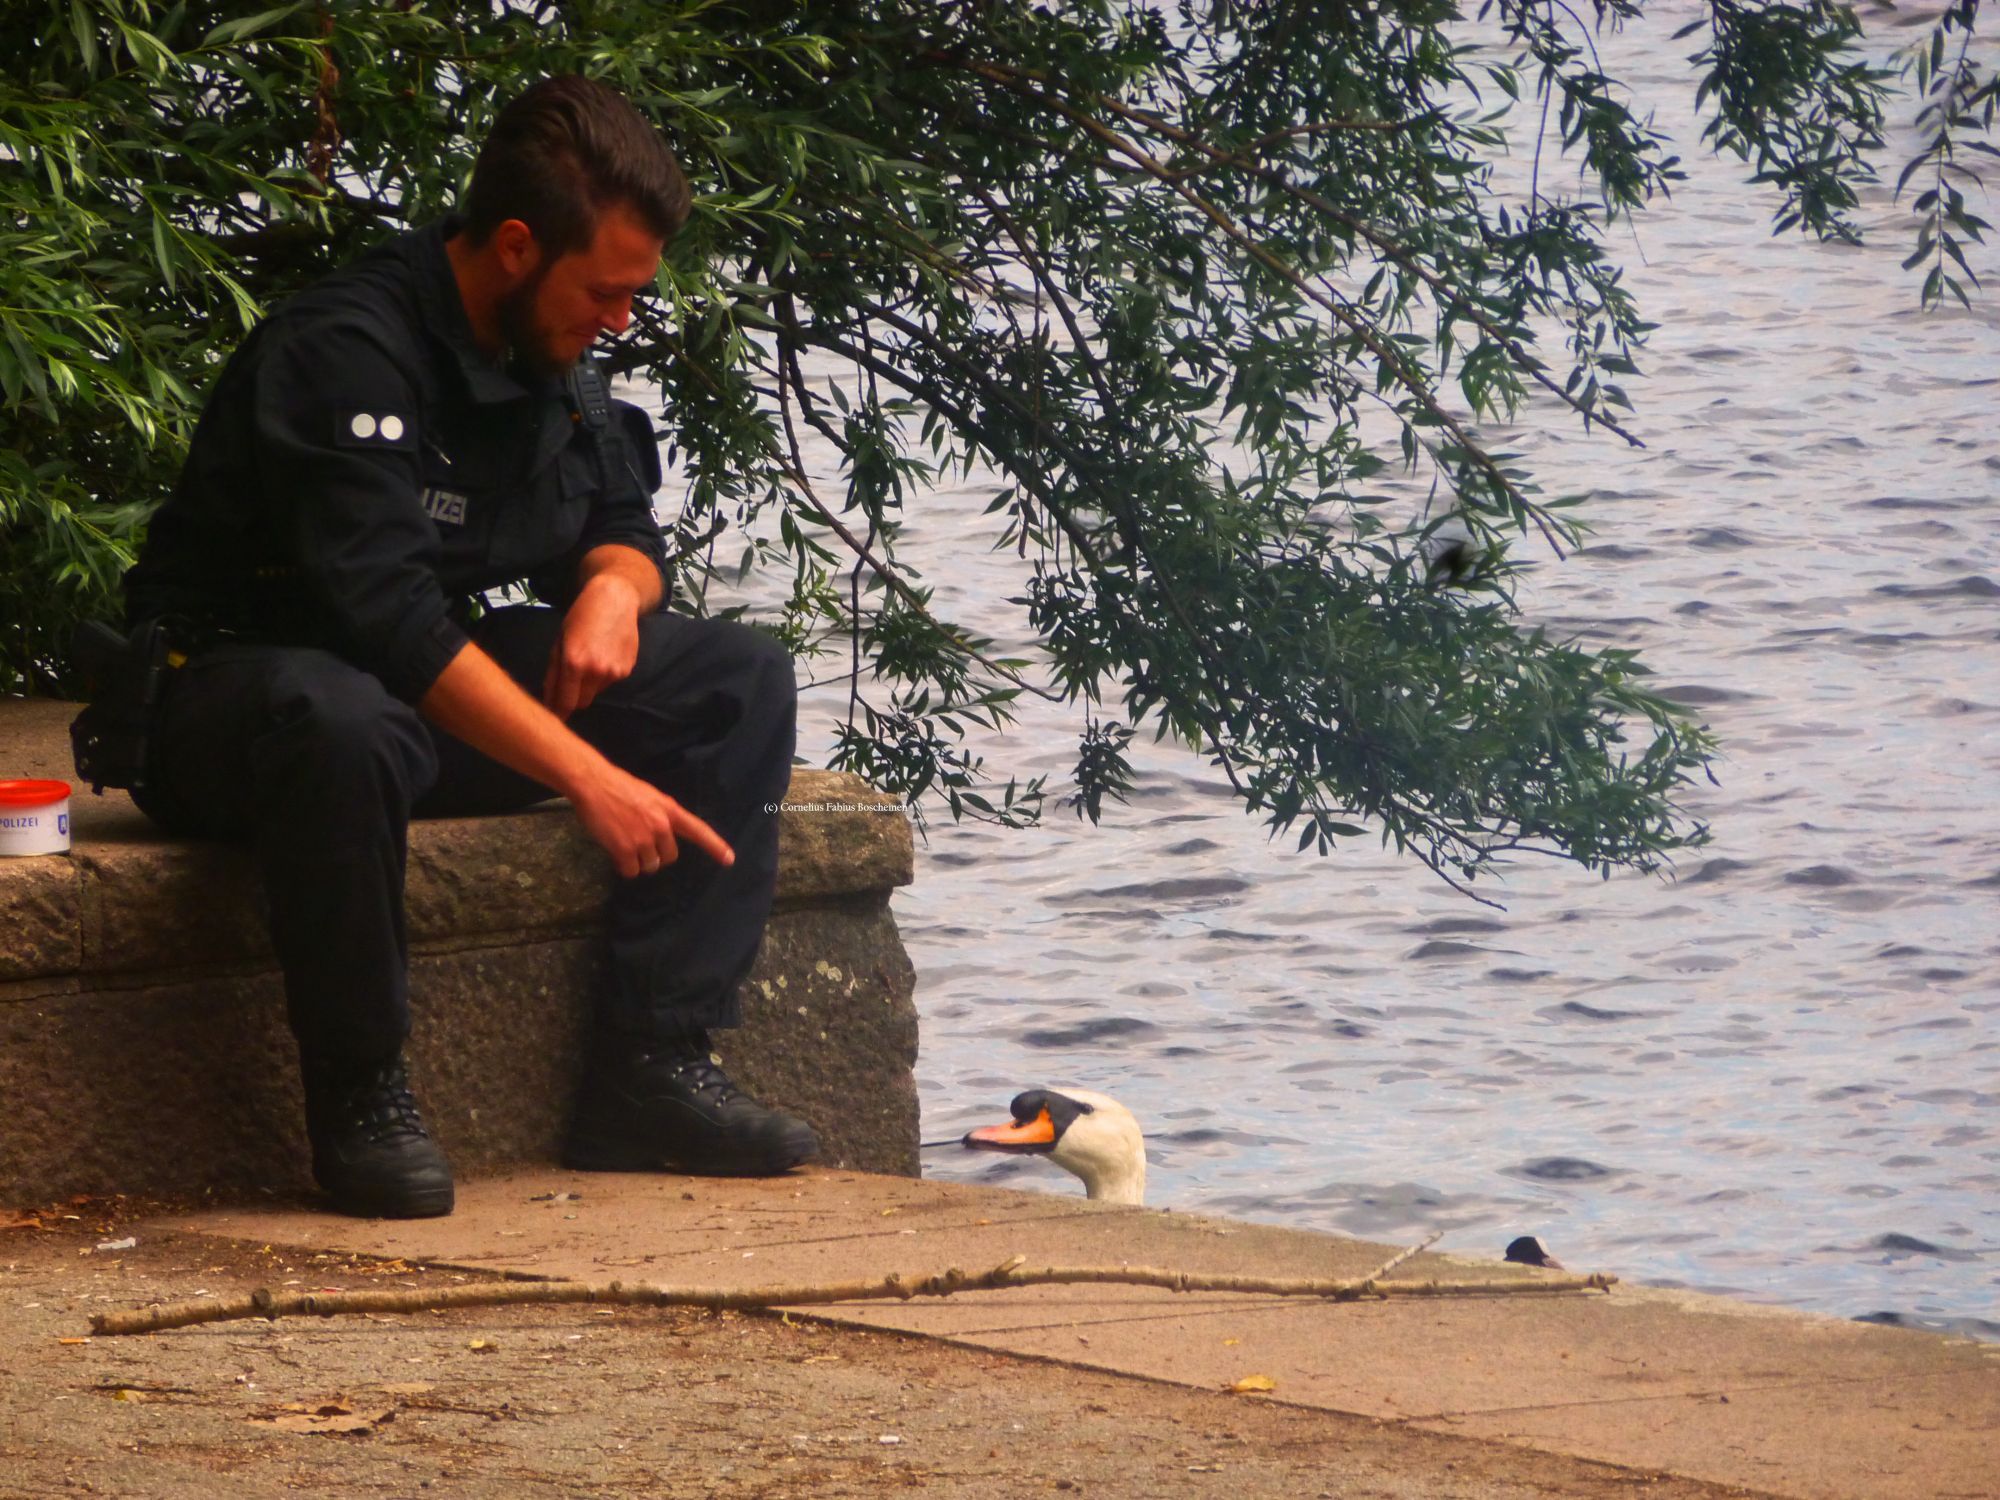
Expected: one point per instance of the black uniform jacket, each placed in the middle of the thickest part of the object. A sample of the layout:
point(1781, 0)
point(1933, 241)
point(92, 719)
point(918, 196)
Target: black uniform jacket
point(361, 472)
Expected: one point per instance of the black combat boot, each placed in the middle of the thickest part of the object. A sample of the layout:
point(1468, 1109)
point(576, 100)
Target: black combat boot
point(370, 1149)
point(675, 1109)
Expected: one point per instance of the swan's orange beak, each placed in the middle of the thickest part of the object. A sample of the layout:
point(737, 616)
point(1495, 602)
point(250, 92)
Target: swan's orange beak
point(1040, 1131)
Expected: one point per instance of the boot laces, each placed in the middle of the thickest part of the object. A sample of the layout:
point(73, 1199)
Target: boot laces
point(704, 1076)
point(380, 1106)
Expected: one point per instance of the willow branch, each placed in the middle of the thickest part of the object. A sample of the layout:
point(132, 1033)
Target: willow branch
point(1404, 257)
point(1411, 379)
point(1125, 524)
point(967, 421)
point(1325, 127)
point(795, 470)
point(1127, 520)
point(715, 529)
point(903, 380)
point(1053, 290)
point(270, 1304)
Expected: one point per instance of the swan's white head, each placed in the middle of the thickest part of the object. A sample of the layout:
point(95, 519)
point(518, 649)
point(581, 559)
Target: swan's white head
point(1092, 1135)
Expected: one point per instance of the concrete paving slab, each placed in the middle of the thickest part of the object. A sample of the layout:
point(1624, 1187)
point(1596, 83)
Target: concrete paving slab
point(1662, 1381)
point(552, 1223)
point(1924, 1436)
point(1410, 1359)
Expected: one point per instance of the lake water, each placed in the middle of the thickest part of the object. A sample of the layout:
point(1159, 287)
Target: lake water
point(1775, 1077)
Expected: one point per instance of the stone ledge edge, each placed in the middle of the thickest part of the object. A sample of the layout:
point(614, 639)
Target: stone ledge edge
point(123, 907)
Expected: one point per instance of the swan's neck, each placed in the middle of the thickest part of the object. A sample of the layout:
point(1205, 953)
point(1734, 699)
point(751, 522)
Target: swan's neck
point(1123, 1182)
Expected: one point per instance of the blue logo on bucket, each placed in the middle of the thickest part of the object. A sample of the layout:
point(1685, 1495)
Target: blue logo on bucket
point(62, 824)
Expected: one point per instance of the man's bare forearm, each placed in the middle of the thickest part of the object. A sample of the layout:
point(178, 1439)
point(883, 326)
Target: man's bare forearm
point(476, 701)
point(615, 560)
point(636, 823)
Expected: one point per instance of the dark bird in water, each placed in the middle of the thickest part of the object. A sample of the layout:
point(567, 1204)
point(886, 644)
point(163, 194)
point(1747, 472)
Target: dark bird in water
point(1089, 1134)
point(1528, 1251)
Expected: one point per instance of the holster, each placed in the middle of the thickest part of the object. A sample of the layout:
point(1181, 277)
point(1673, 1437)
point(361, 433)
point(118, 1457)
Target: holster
point(123, 675)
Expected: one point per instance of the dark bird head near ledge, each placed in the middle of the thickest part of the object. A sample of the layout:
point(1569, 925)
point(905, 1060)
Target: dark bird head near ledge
point(1528, 1251)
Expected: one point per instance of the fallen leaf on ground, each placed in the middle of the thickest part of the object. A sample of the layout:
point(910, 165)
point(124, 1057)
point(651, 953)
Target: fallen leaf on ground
point(1250, 1384)
point(120, 1392)
point(406, 1388)
point(482, 1346)
point(326, 1416)
point(73, 1341)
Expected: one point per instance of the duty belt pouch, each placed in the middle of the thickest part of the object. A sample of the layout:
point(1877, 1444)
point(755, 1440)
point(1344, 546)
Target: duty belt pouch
point(123, 674)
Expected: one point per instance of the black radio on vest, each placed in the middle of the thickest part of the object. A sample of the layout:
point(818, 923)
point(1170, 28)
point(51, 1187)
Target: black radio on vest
point(589, 396)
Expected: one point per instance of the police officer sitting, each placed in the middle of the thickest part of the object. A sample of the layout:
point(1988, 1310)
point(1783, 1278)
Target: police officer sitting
point(385, 449)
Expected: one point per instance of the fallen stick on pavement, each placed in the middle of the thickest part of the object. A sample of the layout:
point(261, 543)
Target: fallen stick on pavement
point(266, 1303)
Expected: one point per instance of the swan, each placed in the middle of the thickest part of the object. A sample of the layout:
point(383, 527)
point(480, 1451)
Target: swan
point(1091, 1135)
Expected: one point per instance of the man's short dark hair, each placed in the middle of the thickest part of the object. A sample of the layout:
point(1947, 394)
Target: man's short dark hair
point(561, 154)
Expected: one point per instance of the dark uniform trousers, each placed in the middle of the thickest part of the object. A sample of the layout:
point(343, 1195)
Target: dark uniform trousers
point(320, 769)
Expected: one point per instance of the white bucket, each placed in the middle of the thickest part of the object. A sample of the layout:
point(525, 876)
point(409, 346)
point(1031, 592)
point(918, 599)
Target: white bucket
point(34, 817)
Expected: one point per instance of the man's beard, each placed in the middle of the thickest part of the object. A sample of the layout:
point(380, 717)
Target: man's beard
point(526, 347)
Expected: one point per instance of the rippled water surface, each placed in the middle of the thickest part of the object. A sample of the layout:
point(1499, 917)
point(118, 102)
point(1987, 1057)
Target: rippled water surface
point(1777, 1076)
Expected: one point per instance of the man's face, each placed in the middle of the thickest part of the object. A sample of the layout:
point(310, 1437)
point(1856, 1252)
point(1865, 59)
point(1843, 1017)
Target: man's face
point(565, 304)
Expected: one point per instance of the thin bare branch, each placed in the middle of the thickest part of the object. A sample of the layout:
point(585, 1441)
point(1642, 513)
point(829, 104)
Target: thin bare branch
point(268, 1303)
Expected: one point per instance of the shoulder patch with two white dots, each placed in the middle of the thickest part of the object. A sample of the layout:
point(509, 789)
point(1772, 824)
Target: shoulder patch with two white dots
point(374, 429)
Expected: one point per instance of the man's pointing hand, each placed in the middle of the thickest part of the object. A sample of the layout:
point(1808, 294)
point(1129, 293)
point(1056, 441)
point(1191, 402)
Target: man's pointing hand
point(640, 826)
